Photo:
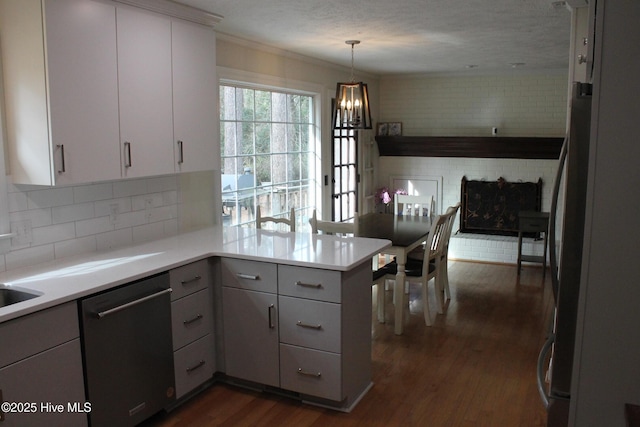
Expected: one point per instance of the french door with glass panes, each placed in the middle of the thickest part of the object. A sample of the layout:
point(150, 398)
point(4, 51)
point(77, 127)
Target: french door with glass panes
point(344, 158)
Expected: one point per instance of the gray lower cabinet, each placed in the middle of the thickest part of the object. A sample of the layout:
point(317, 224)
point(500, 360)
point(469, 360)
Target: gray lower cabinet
point(41, 371)
point(251, 335)
point(301, 329)
point(250, 317)
point(192, 326)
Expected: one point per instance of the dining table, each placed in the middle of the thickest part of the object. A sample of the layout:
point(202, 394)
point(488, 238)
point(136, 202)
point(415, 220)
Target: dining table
point(405, 233)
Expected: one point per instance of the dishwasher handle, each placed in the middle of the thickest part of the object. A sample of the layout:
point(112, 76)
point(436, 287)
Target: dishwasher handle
point(103, 314)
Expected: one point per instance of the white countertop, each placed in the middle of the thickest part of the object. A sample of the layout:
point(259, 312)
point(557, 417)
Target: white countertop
point(72, 278)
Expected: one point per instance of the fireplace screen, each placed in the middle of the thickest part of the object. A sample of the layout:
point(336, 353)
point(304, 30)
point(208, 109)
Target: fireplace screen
point(492, 207)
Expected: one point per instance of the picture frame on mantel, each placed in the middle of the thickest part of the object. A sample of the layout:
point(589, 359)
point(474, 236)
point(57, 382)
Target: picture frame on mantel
point(389, 129)
point(395, 128)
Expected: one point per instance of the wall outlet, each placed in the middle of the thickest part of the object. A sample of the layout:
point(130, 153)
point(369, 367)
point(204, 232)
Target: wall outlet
point(22, 233)
point(114, 213)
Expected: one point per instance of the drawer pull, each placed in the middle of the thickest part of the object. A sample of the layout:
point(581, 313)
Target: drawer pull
point(309, 374)
point(193, 368)
point(194, 279)
point(248, 276)
point(307, 325)
point(309, 285)
point(190, 321)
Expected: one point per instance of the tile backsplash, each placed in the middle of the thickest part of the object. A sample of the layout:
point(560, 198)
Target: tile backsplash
point(52, 223)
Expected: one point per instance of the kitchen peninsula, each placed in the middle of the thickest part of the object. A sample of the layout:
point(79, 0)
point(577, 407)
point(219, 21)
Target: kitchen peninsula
point(303, 277)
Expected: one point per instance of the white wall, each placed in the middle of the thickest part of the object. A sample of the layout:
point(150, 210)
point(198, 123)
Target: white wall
point(518, 105)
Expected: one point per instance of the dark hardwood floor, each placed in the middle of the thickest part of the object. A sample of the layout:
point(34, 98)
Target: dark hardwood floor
point(476, 366)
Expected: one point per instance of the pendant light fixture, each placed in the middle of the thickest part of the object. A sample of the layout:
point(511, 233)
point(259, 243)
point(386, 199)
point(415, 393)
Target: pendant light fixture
point(352, 102)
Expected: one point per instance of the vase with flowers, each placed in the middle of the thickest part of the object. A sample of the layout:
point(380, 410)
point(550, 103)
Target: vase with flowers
point(384, 198)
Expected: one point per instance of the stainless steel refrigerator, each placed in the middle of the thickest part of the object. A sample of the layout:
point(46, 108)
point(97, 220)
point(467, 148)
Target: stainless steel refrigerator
point(554, 378)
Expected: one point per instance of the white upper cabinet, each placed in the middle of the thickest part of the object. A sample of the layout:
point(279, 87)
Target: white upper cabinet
point(61, 107)
point(195, 97)
point(99, 91)
point(144, 78)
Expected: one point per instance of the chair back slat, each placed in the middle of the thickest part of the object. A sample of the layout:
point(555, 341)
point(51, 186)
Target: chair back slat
point(275, 222)
point(336, 228)
point(404, 204)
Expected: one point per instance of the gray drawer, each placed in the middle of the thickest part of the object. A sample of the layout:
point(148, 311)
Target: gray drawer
point(191, 318)
point(309, 323)
point(189, 278)
point(251, 275)
point(37, 332)
point(311, 372)
point(193, 365)
point(312, 283)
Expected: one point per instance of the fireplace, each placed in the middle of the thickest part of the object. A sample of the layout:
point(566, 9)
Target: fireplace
point(492, 207)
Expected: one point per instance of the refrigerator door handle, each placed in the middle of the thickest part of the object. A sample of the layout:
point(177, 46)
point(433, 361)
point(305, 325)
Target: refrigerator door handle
point(546, 348)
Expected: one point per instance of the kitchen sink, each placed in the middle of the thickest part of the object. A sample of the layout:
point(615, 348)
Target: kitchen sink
point(10, 296)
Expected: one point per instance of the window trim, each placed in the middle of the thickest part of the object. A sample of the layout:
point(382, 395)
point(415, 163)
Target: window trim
point(256, 81)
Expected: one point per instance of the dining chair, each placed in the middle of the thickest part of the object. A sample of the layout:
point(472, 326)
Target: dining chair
point(335, 228)
point(408, 205)
point(451, 212)
point(276, 222)
point(444, 292)
point(426, 269)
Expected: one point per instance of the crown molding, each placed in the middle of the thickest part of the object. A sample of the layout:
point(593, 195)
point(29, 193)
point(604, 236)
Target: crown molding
point(176, 10)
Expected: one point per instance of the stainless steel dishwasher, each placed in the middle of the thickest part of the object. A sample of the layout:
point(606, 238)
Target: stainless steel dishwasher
point(128, 352)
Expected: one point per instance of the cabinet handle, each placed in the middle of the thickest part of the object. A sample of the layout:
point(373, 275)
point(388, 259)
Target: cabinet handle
point(248, 276)
point(1, 411)
point(64, 168)
point(308, 325)
point(193, 368)
point(194, 279)
point(309, 374)
point(180, 152)
point(309, 285)
point(127, 151)
point(270, 310)
point(195, 319)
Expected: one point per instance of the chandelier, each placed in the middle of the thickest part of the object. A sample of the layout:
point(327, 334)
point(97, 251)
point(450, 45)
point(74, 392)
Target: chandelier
point(352, 102)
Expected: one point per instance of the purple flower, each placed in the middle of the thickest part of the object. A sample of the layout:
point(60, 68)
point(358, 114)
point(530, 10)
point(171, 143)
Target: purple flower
point(385, 196)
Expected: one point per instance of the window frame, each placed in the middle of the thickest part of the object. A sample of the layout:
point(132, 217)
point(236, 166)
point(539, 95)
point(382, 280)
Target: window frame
point(252, 81)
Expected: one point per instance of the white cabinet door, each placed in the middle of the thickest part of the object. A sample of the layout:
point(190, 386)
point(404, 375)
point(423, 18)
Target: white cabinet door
point(195, 97)
point(144, 78)
point(60, 90)
point(251, 335)
point(83, 90)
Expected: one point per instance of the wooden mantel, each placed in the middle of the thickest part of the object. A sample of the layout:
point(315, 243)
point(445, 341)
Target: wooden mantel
point(470, 146)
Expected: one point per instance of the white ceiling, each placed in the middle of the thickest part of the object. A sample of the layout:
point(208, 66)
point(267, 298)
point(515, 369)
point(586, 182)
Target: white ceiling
point(406, 36)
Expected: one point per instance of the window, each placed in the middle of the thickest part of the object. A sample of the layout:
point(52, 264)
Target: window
point(268, 153)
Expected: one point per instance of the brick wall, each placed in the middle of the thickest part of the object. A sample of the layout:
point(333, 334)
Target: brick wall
point(470, 106)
